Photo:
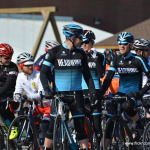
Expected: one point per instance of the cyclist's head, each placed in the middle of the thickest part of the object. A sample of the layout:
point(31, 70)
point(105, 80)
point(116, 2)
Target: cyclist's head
point(50, 44)
point(142, 47)
point(88, 40)
point(109, 55)
point(74, 33)
point(6, 52)
point(25, 62)
point(125, 41)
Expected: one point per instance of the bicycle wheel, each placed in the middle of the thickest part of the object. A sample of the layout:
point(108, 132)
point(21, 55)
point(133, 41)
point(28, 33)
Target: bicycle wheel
point(59, 136)
point(26, 138)
point(117, 135)
point(2, 138)
point(146, 137)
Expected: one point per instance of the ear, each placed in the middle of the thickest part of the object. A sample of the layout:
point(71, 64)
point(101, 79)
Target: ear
point(72, 38)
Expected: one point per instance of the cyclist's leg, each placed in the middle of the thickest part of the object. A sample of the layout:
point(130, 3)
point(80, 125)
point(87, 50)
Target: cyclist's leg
point(77, 109)
point(49, 136)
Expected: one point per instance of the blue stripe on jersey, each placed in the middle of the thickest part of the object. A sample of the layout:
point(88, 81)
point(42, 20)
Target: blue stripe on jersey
point(47, 63)
point(95, 79)
point(129, 83)
point(112, 69)
point(146, 69)
point(64, 45)
point(68, 80)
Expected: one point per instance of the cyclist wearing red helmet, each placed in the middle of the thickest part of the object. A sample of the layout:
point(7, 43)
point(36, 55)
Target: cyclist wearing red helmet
point(8, 76)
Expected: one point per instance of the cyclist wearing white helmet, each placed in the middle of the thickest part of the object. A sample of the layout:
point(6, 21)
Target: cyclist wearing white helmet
point(69, 62)
point(29, 82)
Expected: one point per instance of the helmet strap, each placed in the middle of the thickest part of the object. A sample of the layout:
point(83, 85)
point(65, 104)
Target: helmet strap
point(72, 41)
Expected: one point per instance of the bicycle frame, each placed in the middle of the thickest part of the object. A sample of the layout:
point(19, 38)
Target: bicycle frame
point(61, 114)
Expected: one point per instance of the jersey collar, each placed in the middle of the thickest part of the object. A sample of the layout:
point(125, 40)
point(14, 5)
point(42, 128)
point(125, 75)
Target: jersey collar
point(65, 46)
point(129, 55)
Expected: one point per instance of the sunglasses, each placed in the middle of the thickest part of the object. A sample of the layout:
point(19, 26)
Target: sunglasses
point(125, 44)
point(7, 58)
point(86, 42)
point(28, 65)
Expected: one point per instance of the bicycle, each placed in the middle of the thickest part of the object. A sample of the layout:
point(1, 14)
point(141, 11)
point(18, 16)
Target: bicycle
point(120, 137)
point(64, 135)
point(146, 133)
point(28, 137)
point(4, 131)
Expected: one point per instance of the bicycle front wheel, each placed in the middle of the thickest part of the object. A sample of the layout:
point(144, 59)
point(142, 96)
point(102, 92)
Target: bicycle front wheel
point(59, 136)
point(117, 135)
point(25, 138)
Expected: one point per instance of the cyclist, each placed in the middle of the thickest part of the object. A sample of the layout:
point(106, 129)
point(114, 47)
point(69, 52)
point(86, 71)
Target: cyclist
point(142, 47)
point(28, 81)
point(8, 76)
point(130, 68)
point(96, 63)
point(69, 63)
point(114, 86)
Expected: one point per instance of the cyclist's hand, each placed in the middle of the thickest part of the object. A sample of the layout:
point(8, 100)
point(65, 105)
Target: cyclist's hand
point(94, 100)
point(134, 95)
point(48, 94)
point(17, 97)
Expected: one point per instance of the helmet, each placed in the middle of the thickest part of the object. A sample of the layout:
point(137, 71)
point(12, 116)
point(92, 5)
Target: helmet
point(6, 50)
point(50, 44)
point(141, 44)
point(125, 37)
point(72, 30)
point(88, 35)
point(109, 55)
point(25, 57)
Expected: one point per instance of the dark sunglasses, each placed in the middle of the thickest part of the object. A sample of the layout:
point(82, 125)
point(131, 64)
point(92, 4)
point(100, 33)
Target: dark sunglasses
point(86, 42)
point(125, 44)
point(7, 58)
point(28, 65)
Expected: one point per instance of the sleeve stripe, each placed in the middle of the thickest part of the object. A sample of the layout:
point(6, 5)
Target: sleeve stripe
point(112, 69)
point(146, 69)
point(47, 63)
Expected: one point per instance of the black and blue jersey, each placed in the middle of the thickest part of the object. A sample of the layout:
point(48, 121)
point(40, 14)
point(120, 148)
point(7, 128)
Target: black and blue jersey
point(96, 63)
point(68, 69)
point(130, 69)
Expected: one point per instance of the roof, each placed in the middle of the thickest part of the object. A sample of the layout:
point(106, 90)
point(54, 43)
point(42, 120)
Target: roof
point(140, 30)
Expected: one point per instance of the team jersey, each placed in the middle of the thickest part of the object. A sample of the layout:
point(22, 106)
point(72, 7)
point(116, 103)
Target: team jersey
point(38, 63)
point(96, 63)
point(130, 69)
point(8, 76)
point(68, 68)
point(31, 84)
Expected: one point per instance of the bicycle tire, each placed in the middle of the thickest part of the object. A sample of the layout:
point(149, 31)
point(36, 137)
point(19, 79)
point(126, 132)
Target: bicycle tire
point(58, 142)
point(146, 137)
point(118, 139)
point(23, 141)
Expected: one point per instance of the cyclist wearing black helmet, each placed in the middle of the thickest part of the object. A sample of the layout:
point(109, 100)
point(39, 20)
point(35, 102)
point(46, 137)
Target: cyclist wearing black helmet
point(69, 62)
point(96, 62)
point(130, 68)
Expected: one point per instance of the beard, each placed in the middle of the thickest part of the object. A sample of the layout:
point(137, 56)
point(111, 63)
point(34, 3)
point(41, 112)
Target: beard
point(29, 71)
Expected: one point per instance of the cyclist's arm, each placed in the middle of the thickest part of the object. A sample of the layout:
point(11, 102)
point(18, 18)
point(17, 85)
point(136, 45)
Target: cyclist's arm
point(100, 65)
point(11, 80)
point(146, 69)
point(110, 74)
point(45, 69)
point(87, 75)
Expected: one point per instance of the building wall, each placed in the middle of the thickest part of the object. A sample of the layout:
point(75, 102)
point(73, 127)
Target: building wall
point(115, 15)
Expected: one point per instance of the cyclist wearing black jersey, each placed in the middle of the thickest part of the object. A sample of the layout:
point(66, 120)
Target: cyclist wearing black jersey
point(96, 63)
point(130, 68)
point(69, 62)
point(8, 76)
